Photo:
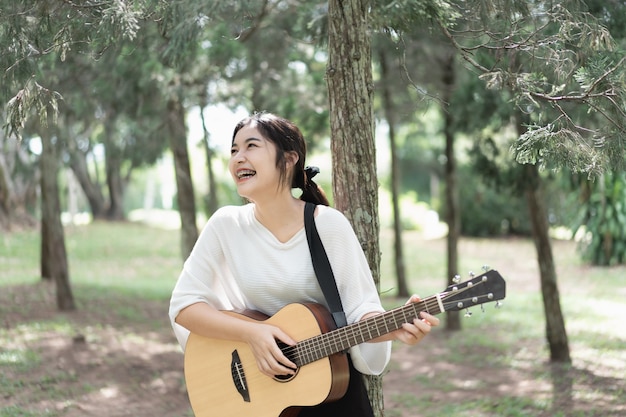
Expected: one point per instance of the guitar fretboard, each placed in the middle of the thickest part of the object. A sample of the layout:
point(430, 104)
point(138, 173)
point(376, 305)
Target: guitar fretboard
point(339, 340)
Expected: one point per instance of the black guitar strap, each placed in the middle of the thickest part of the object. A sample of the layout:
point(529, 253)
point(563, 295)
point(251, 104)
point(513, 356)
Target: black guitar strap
point(322, 267)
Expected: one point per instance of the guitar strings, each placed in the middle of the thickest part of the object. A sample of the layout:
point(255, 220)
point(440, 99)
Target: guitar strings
point(337, 339)
point(326, 344)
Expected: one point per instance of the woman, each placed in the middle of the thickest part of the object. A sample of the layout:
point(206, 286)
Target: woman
point(256, 256)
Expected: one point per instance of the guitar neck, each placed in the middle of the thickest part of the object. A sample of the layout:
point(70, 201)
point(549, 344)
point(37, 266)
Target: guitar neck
point(339, 340)
point(485, 288)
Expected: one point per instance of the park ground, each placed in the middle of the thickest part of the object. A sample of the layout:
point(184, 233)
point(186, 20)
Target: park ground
point(116, 356)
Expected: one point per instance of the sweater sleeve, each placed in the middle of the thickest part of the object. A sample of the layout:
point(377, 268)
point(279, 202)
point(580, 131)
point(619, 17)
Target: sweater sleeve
point(355, 283)
point(204, 278)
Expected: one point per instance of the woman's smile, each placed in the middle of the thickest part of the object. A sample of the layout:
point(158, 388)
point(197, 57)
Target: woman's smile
point(244, 174)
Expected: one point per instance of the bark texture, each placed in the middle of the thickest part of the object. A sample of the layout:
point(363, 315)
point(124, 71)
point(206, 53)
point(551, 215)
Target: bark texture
point(54, 263)
point(350, 87)
point(185, 195)
point(91, 189)
point(113, 167)
point(556, 333)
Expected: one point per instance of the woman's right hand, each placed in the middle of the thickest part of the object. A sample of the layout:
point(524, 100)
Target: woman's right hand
point(269, 357)
point(205, 320)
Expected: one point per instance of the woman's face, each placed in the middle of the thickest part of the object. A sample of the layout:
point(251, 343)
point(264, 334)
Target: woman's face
point(253, 164)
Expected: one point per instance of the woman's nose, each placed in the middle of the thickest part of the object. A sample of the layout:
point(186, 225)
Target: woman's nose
point(238, 156)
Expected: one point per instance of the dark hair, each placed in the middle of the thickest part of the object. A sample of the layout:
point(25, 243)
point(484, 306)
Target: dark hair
point(288, 138)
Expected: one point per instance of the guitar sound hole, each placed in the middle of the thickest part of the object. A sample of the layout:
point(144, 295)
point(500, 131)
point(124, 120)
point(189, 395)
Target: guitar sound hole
point(285, 378)
point(290, 353)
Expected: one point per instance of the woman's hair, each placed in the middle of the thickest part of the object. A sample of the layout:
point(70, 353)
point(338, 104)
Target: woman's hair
point(287, 137)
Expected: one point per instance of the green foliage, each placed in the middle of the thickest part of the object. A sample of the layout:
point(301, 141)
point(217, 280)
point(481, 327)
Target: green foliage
point(492, 192)
point(489, 209)
point(38, 31)
point(548, 147)
point(402, 15)
point(604, 220)
point(612, 16)
point(562, 68)
point(32, 96)
point(269, 57)
point(120, 18)
point(563, 141)
point(418, 148)
point(477, 108)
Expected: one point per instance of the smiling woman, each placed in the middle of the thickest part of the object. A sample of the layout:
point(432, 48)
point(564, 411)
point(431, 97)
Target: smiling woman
point(257, 257)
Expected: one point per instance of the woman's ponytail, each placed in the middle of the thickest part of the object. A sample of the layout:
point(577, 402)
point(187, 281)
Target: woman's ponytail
point(311, 192)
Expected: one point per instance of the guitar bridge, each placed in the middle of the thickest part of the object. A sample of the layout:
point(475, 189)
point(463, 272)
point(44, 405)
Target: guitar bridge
point(239, 376)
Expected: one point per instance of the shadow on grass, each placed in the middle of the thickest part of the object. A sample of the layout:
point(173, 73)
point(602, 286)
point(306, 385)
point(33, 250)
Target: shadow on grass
point(114, 356)
point(460, 374)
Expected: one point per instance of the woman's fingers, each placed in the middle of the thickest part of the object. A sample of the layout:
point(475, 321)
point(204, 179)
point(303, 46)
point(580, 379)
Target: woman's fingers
point(271, 359)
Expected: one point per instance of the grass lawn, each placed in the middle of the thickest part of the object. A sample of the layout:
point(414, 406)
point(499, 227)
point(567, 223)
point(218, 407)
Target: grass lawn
point(116, 356)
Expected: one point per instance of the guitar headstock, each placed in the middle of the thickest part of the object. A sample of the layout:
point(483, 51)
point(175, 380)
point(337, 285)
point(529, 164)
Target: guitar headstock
point(481, 289)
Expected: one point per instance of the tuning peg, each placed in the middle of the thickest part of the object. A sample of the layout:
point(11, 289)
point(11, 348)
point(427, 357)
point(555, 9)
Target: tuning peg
point(456, 279)
point(468, 313)
point(472, 274)
point(498, 304)
point(486, 268)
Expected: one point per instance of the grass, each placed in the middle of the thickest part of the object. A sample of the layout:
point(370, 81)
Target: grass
point(512, 339)
point(128, 257)
point(111, 265)
point(122, 276)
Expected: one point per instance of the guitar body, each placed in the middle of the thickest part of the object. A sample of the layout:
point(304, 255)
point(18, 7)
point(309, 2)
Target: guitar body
point(223, 379)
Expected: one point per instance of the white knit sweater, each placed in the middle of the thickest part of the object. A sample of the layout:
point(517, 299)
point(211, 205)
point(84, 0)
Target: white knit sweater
point(239, 264)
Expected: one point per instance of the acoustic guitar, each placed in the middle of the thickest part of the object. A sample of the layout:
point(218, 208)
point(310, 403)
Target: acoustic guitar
point(223, 379)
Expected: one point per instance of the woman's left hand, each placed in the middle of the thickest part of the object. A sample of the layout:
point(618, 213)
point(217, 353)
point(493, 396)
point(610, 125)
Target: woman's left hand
point(412, 333)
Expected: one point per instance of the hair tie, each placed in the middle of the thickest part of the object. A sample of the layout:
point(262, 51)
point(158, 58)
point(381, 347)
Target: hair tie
point(310, 172)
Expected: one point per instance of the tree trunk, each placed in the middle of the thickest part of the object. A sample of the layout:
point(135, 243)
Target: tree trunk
point(185, 195)
point(556, 333)
point(18, 187)
point(53, 254)
point(7, 194)
point(555, 324)
point(113, 168)
point(403, 288)
point(211, 198)
point(453, 215)
point(92, 191)
point(350, 90)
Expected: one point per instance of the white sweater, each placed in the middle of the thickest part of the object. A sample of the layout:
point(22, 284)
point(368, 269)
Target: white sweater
point(239, 264)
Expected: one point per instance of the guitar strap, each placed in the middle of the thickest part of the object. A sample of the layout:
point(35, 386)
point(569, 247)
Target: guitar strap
point(322, 267)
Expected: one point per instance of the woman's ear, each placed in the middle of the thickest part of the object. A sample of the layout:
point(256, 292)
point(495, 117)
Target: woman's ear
point(291, 159)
